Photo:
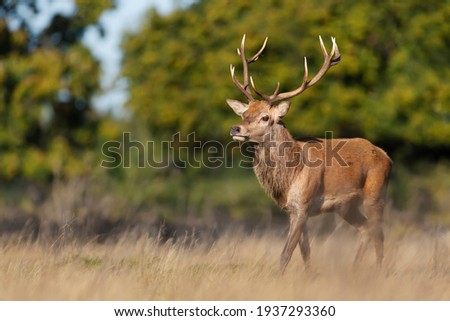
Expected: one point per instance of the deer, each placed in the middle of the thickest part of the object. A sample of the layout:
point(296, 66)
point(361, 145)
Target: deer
point(300, 175)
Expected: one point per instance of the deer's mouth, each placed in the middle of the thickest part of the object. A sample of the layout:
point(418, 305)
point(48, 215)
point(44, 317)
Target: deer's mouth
point(240, 138)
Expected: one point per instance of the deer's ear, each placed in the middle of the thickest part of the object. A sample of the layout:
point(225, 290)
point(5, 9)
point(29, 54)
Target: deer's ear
point(282, 108)
point(238, 107)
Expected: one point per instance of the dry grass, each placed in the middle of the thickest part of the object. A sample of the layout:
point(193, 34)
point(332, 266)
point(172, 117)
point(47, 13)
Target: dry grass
point(236, 267)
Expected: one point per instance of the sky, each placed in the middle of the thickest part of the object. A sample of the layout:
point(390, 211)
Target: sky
point(127, 17)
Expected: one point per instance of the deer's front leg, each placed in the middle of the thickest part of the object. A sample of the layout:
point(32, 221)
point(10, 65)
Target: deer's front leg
point(297, 235)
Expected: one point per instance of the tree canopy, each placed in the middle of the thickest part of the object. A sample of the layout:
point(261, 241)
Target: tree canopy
point(392, 85)
point(47, 80)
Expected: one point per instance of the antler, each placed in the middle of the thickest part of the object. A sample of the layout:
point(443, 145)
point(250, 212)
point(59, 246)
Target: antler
point(244, 88)
point(329, 60)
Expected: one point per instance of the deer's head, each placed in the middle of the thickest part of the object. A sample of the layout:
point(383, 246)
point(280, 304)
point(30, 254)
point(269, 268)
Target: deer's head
point(259, 116)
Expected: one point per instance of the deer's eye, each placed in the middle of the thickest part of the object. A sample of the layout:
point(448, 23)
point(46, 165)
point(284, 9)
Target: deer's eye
point(265, 118)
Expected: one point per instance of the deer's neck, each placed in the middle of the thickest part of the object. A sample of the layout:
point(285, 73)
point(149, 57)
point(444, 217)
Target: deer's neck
point(275, 162)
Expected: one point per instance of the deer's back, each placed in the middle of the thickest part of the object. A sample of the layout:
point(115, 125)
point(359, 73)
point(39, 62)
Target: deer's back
point(340, 170)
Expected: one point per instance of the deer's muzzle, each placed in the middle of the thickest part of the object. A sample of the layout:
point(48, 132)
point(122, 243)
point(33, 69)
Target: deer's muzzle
point(235, 132)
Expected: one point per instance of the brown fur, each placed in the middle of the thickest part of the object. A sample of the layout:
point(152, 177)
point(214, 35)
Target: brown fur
point(313, 176)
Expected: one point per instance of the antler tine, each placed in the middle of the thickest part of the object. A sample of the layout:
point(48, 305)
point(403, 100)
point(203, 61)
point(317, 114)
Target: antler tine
point(256, 55)
point(245, 68)
point(322, 46)
point(261, 94)
point(241, 87)
point(276, 90)
point(337, 54)
point(244, 87)
point(328, 61)
point(305, 76)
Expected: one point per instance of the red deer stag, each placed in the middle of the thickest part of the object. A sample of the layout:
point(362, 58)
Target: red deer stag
point(301, 175)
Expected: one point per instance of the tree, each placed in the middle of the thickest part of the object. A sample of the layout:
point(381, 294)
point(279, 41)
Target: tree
point(392, 85)
point(47, 80)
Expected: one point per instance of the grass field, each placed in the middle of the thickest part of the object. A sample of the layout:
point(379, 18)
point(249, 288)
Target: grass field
point(235, 267)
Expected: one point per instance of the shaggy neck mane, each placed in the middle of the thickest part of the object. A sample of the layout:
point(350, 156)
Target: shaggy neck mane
point(275, 162)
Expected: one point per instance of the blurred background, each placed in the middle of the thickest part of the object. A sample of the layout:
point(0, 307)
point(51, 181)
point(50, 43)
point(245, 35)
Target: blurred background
point(76, 74)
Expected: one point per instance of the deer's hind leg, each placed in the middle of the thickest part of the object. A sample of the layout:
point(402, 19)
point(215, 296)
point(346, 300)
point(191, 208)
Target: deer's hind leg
point(356, 218)
point(374, 212)
point(374, 203)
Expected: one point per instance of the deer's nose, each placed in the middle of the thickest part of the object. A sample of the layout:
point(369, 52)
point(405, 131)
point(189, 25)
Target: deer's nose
point(235, 130)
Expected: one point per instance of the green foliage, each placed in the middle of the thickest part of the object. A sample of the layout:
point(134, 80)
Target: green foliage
point(47, 80)
point(392, 85)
